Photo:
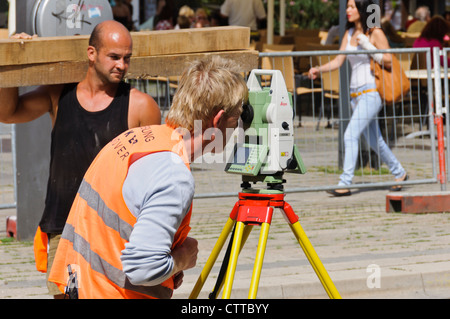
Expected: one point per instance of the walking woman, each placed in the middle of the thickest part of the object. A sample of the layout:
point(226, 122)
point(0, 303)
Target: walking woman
point(365, 101)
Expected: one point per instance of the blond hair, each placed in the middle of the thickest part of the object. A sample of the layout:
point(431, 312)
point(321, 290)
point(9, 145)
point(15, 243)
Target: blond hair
point(186, 11)
point(205, 88)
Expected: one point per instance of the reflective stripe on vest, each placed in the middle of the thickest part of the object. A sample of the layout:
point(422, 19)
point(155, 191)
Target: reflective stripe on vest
point(109, 217)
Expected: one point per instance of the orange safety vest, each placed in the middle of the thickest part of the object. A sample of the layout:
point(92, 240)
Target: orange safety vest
point(99, 223)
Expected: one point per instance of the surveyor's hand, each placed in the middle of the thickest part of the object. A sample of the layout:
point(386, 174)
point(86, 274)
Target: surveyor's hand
point(185, 255)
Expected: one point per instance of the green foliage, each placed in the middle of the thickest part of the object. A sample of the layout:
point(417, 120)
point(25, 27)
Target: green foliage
point(308, 14)
point(303, 14)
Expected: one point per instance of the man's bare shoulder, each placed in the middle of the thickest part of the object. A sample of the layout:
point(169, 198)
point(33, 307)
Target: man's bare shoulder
point(143, 109)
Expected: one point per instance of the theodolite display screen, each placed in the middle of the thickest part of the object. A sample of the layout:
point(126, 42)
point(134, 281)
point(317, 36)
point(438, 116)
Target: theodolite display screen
point(241, 155)
point(247, 159)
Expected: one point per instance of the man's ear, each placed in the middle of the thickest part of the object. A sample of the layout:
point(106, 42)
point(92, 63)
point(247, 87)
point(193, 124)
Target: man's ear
point(91, 52)
point(218, 118)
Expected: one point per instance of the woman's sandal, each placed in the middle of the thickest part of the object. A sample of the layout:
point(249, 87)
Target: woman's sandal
point(397, 188)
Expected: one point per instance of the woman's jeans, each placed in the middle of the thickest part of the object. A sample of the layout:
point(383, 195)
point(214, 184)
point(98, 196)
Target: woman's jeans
point(365, 110)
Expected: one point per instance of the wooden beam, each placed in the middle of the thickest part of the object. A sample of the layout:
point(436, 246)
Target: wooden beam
point(140, 67)
point(191, 40)
point(170, 65)
point(145, 43)
point(52, 60)
point(43, 50)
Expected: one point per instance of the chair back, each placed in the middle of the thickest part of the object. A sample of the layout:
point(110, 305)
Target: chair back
point(330, 80)
point(285, 64)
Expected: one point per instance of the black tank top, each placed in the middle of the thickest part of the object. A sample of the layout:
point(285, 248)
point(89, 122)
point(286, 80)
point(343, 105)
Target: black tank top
point(77, 137)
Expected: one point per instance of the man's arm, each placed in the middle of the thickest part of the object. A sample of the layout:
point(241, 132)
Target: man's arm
point(158, 190)
point(28, 106)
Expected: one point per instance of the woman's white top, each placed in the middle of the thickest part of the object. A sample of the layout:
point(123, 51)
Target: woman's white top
point(360, 64)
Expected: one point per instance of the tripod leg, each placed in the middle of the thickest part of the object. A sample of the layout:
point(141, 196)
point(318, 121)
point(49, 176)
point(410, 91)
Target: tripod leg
point(259, 260)
point(314, 260)
point(212, 258)
point(224, 267)
point(235, 249)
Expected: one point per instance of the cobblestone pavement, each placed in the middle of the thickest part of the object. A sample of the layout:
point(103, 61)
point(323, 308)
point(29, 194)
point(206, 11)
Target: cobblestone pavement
point(367, 252)
point(411, 251)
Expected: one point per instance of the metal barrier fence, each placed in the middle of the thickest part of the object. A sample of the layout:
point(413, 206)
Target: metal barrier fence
point(322, 112)
point(7, 166)
point(445, 109)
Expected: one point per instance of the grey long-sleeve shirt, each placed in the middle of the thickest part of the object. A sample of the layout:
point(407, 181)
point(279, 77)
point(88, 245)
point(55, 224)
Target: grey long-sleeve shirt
point(158, 190)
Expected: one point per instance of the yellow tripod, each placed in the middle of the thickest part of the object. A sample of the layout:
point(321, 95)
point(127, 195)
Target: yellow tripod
point(257, 209)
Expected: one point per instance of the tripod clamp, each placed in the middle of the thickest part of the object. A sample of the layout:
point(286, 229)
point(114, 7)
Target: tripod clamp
point(274, 183)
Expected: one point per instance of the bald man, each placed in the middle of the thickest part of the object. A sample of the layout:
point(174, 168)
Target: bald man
point(85, 117)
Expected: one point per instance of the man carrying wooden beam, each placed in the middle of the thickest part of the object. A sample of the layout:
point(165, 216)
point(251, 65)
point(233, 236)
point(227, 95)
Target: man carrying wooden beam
point(85, 117)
